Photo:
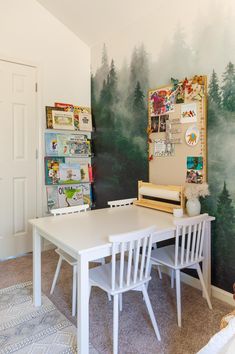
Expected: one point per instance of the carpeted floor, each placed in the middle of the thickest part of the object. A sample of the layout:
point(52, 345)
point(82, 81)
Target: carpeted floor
point(26, 329)
point(136, 335)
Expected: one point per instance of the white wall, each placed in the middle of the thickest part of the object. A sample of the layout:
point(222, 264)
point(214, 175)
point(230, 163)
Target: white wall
point(30, 34)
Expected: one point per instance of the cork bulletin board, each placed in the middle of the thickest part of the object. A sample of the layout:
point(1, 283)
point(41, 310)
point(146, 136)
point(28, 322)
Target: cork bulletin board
point(177, 134)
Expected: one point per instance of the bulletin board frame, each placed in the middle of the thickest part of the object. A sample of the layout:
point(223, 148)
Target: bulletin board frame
point(172, 166)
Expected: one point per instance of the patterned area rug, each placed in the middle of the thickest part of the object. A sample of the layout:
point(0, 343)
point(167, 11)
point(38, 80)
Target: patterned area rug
point(25, 329)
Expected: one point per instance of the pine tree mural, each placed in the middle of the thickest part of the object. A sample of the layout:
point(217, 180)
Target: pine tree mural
point(228, 88)
point(139, 111)
point(224, 240)
point(214, 91)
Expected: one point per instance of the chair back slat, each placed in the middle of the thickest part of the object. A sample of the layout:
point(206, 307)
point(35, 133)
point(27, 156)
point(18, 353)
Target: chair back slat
point(130, 253)
point(188, 243)
point(122, 264)
point(149, 246)
point(113, 279)
point(191, 232)
point(193, 242)
point(121, 202)
point(198, 240)
point(133, 264)
point(143, 257)
point(202, 238)
point(136, 263)
point(69, 210)
point(183, 244)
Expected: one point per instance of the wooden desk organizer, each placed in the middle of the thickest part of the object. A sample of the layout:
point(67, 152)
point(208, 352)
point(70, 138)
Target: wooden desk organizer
point(160, 197)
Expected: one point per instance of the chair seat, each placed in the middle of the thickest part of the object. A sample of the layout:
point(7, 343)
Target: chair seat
point(166, 256)
point(72, 261)
point(101, 276)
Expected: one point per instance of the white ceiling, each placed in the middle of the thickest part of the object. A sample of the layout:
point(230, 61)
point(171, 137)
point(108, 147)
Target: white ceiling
point(95, 20)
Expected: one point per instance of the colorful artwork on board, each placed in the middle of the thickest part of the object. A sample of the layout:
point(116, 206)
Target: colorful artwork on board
point(162, 101)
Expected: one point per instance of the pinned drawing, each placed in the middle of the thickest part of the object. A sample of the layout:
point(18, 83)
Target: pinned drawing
point(188, 113)
point(192, 136)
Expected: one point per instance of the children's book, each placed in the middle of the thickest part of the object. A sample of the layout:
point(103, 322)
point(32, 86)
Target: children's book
point(49, 120)
point(52, 197)
point(51, 145)
point(87, 197)
point(52, 167)
point(85, 121)
point(73, 145)
point(62, 120)
point(70, 195)
point(69, 173)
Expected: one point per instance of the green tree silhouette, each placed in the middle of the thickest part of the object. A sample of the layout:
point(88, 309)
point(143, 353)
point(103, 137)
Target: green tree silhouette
point(214, 91)
point(228, 88)
point(224, 242)
point(139, 111)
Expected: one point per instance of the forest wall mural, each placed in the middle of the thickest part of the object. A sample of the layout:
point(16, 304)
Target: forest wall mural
point(183, 43)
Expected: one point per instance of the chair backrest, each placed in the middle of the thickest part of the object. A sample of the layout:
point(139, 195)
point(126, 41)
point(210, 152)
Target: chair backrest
point(121, 202)
point(70, 210)
point(134, 268)
point(191, 231)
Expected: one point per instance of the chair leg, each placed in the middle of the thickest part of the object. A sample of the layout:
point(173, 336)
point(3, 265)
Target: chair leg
point(74, 291)
point(109, 296)
point(57, 272)
point(102, 261)
point(178, 296)
point(150, 311)
point(172, 278)
point(199, 272)
point(120, 302)
point(159, 272)
point(115, 324)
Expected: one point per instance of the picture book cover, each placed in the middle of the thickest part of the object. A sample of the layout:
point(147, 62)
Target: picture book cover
point(76, 112)
point(52, 197)
point(52, 167)
point(85, 121)
point(49, 120)
point(62, 120)
point(51, 145)
point(87, 195)
point(73, 145)
point(70, 195)
point(69, 173)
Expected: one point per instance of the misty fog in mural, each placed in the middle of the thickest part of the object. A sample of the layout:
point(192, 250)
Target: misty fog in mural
point(119, 103)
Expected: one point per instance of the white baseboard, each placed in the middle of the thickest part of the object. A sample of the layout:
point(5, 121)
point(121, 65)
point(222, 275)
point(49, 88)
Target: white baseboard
point(216, 292)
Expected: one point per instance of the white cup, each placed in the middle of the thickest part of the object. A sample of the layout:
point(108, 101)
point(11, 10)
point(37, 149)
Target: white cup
point(178, 213)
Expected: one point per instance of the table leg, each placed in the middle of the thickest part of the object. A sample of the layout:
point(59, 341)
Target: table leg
point(83, 305)
point(36, 267)
point(206, 264)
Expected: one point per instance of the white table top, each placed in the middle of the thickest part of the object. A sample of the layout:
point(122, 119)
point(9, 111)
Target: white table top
point(88, 230)
point(82, 232)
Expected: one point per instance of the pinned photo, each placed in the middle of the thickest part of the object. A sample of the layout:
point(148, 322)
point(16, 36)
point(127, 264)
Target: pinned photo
point(155, 124)
point(163, 119)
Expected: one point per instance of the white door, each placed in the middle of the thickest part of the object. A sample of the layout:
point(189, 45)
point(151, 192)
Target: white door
point(17, 157)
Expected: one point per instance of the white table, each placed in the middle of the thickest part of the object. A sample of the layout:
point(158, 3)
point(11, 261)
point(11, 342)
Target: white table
point(85, 237)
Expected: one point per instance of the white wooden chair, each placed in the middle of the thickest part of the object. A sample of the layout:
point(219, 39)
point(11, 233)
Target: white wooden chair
point(124, 202)
point(124, 274)
point(121, 202)
point(63, 256)
point(186, 253)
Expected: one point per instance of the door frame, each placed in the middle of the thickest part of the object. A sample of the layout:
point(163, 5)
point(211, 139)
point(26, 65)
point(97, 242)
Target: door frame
point(39, 127)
